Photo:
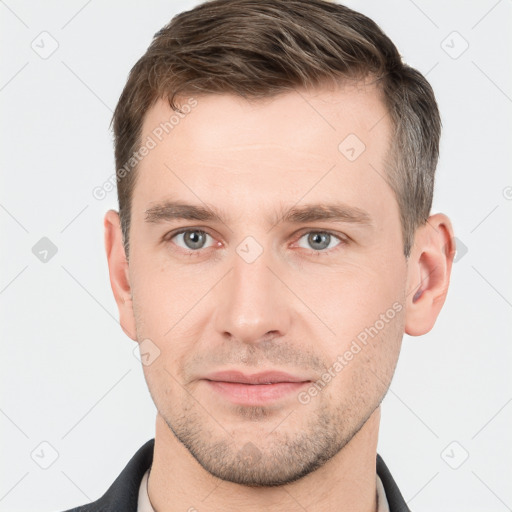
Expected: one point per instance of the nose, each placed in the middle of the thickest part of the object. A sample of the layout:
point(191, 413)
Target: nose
point(253, 303)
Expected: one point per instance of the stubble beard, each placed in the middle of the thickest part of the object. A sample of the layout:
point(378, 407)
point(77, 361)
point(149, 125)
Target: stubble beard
point(281, 456)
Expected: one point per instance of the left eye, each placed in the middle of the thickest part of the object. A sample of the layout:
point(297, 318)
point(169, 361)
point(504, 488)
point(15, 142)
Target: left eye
point(320, 240)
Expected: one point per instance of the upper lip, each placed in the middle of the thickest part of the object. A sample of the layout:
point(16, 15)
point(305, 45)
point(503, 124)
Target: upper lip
point(255, 378)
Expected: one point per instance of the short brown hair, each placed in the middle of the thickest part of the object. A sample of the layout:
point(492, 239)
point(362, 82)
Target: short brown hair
point(260, 48)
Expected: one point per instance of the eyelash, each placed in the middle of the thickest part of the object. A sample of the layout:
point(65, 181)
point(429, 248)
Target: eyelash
point(193, 253)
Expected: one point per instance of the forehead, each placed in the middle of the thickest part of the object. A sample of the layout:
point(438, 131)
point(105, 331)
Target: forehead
point(266, 150)
point(294, 120)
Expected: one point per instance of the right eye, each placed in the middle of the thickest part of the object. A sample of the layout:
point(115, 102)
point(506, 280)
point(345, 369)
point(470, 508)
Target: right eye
point(191, 240)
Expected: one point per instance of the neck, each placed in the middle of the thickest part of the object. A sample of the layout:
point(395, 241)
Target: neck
point(346, 482)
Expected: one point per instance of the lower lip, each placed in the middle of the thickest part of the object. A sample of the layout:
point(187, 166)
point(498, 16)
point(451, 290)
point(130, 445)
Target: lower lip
point(254, 394)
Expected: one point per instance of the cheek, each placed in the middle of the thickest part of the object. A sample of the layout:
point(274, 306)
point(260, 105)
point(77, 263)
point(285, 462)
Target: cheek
point(364, 361)
point(169, 312)
point(357, 297)
point(365, 309)
point(161, 295)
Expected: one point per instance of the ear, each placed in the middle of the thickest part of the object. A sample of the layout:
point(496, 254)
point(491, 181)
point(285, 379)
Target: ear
point(428, 274)
point(119, 275)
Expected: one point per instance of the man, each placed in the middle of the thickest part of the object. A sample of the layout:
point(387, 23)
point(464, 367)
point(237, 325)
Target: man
point(275, 164)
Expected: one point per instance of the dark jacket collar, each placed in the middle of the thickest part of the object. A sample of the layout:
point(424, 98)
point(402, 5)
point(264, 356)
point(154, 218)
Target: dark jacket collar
point(393, 494)
point(123, 494)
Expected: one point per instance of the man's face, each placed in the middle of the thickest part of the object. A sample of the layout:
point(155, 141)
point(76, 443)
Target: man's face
point(254, 291)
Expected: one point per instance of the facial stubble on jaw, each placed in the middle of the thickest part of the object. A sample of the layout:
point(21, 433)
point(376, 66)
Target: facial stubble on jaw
point(272, 459)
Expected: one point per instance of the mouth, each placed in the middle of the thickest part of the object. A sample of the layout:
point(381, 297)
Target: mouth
point(255, 389)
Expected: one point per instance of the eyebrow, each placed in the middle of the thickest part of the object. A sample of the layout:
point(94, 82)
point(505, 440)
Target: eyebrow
point(335, 212)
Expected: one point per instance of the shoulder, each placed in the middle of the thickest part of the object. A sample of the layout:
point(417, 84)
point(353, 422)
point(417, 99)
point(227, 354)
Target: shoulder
point(122, 495)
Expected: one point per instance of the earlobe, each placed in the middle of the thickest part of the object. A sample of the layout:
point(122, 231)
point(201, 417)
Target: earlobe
point(429, 270)
point(118, 270)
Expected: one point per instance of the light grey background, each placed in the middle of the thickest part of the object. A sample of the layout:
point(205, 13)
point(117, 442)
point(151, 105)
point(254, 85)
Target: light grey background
point(69, 376)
